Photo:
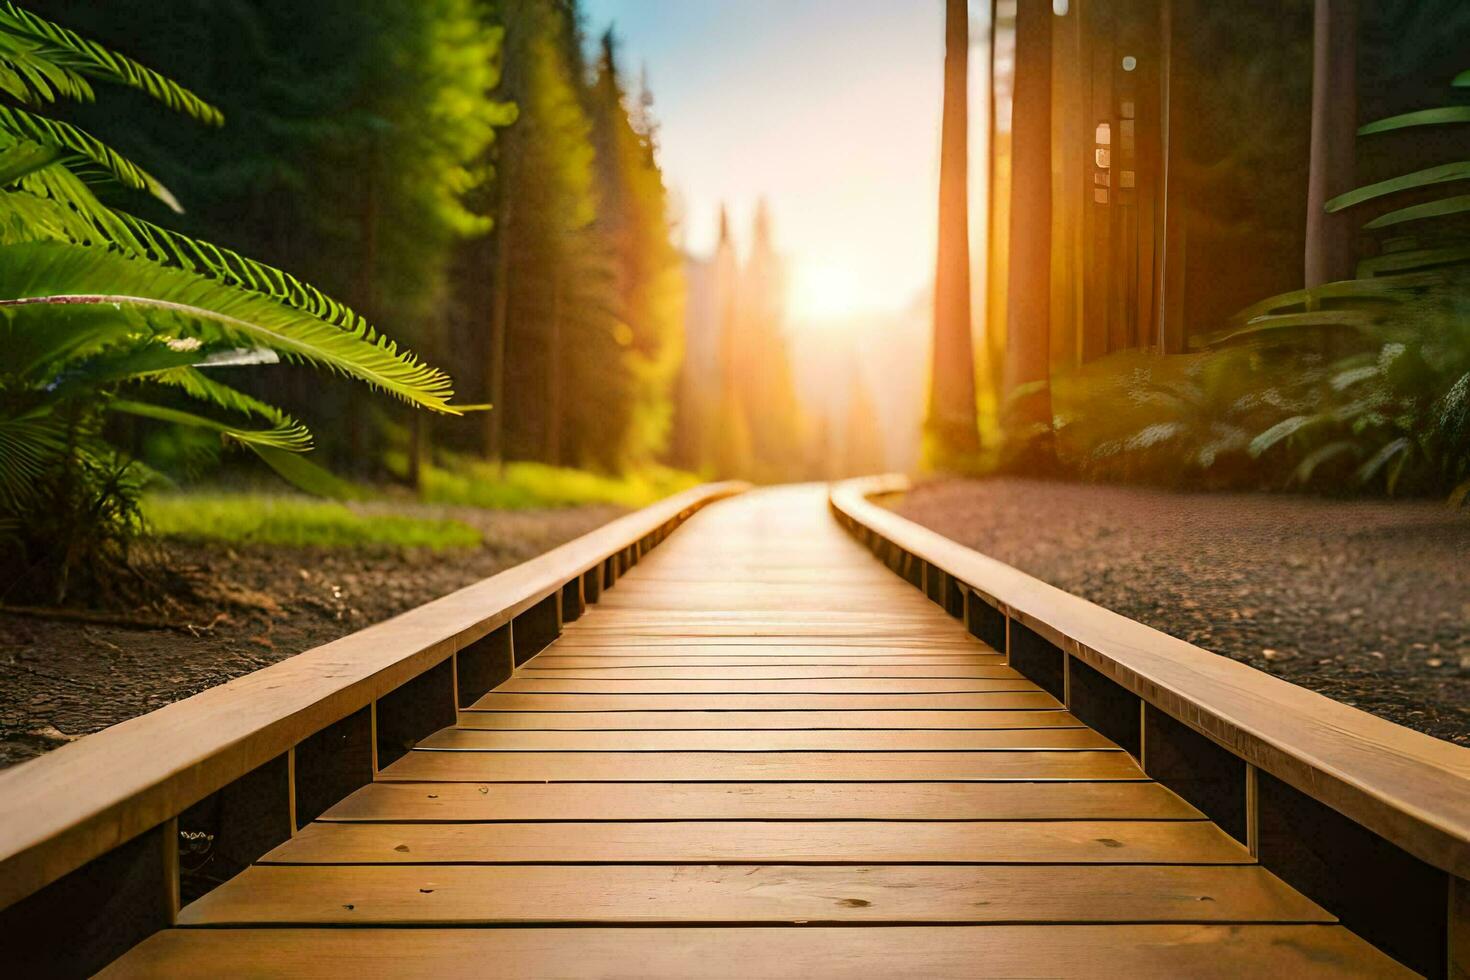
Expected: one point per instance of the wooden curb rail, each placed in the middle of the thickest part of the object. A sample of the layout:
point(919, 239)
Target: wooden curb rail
point(89, 833)
point(1368, 818)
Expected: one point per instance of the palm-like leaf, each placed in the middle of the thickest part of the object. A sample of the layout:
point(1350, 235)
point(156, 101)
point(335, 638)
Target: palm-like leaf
point(1443, 207)
point(1442, 174)
point(71, 51)
point(63, 136)
point(1440, 116)
point(29, 76)
point(290, 438)
point(38, 276)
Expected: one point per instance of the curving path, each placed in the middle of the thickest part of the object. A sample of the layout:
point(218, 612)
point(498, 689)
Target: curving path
point(761, 755)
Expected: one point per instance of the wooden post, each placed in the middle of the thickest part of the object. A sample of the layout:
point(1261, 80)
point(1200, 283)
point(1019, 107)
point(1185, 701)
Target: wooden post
point(81, 922)
point(1039, 659)
point(332, 763)
point(483, 664)
point(592, 585)
point(573, 604)
point(1198, 769)
point(537, 627)
point(414, 711)
point(224, 833)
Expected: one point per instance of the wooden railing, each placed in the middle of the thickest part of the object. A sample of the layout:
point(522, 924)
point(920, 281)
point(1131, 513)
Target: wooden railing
point(1368, 818)
point(102, 839)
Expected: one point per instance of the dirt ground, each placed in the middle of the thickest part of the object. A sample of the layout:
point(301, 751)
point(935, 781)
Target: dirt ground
point(1367, 602)
point(61, 679)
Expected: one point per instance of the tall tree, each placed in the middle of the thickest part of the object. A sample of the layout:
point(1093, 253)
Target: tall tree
point(647, 279)
point(1329, 251)
point(358, 127)
point(1028, 292)
point(951, 425)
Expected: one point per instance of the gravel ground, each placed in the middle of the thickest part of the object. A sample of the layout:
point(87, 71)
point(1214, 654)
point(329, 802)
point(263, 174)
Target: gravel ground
point(1367, 602)
point(62, 679)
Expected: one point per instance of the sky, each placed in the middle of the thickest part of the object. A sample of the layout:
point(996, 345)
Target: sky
point(827, 108)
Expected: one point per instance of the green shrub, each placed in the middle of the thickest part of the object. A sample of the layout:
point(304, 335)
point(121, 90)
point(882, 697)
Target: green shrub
point(296, 522)
point(464, 481)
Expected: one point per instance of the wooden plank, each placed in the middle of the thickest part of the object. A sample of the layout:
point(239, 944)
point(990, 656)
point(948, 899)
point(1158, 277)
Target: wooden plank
point(83, 799)
point(880, 686)
point(516, 802)
point(768, 653)
point(549, 671)
point(757, 766)
point(1140, 952)
point(584, 642)
point(1011, 700)
point(752, 842)
point(420, 895)
point(457, 739)
point(1410, 788)
point(760, 720)
point(862, 662)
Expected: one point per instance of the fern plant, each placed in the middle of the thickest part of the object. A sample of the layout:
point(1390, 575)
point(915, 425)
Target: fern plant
point(1393, 408)
point(104, 314)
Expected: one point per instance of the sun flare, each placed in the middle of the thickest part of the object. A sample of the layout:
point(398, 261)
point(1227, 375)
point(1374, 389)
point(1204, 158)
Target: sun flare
point(824, 290)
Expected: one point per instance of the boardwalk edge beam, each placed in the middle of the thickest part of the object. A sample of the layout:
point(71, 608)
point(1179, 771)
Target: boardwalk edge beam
point(1359, 814)
point(92, 834)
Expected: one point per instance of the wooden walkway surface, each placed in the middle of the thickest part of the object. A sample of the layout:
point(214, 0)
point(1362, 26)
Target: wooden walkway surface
point(761, 754)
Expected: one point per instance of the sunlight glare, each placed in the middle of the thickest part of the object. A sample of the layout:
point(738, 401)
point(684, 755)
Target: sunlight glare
point(823, 290)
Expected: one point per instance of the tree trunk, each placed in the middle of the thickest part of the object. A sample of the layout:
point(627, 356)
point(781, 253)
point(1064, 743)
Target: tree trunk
point(951, 425)
point(1028, 292)
point(367, 299)
point(491, 429)
point(418, 447)
point(1329, 252)
point(553, 375)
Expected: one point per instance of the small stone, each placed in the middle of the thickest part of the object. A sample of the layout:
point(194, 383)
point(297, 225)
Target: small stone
point(1434, 662)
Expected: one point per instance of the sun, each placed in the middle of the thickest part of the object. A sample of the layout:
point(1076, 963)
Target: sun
point(823, 290)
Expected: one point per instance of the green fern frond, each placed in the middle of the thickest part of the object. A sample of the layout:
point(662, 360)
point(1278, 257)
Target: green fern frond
point(64, 136)
point(227, 266)
point(67, 48)
point(38, 277)
point(290, 438)
point(25, 158)
point(29, 445)
point(31, 77)
point(196, 384)
point(75, 210)
point(79, 217)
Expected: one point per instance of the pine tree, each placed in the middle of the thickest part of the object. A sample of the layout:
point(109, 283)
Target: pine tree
point(633, 223)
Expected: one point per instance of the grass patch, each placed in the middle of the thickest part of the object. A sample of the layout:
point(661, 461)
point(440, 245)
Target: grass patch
point(526, 486)
point(298, 522)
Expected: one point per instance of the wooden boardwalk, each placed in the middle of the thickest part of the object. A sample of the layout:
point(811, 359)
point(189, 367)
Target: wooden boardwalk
point(762, 755)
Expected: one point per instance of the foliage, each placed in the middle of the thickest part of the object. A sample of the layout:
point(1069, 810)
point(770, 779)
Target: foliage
point(1178, 420)
point(590, 282)
point(297, 522)
point(1393, 409)
point(464, 481)
point(633, 222)
point(1360, 384)
point(106, 315)
point(1392, 405)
